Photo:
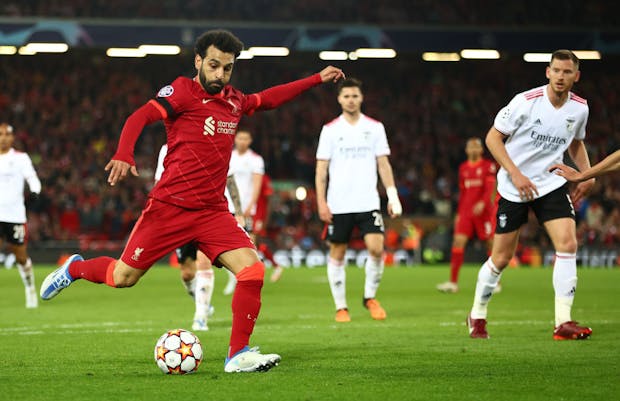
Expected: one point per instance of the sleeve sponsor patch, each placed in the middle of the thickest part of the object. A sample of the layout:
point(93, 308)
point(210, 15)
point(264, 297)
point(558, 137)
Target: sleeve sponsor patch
point(165, 91)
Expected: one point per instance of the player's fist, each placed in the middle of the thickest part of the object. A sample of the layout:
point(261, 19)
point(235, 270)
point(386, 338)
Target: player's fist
point(331, 73)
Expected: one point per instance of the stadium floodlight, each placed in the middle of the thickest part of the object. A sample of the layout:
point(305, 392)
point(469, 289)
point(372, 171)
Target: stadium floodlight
point(587, 54)
point(26, 51)
point(46, 48)
point(375, 53)
point(480, 54)
point(245, 55)
point(333, 55)
point(269, 51)
point(301, 193)
point(436, 56)
point(8, 50)
point(537, 57)
point(124, 52)
point(168, 50)
point(353, 56)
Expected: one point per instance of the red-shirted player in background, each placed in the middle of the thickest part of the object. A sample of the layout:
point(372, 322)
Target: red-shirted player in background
point(476, 208)
point(188, 204)
point(259, 226)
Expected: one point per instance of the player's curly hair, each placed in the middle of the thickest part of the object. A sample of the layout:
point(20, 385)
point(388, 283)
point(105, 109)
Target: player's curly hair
point(349, 82)
point(222, 39)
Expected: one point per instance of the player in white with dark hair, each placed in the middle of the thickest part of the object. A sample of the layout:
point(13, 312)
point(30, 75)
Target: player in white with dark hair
point(248, 168)
point(352, 149)
point(529, 135)
point(15, 169)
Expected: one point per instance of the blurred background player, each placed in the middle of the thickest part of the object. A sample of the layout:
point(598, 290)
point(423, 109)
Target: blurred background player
point(15, 169)
point(607, 165)
point(248, 169)
point(538, 126)
point(259, 227)
point(196, 270)
point(352, 149)
point(476, 208)
point(201, 115)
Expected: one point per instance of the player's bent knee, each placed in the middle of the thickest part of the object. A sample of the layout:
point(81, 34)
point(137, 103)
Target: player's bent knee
point(126, 276)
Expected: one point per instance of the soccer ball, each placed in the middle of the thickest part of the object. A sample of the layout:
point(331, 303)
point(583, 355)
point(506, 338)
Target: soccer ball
point(178, 352)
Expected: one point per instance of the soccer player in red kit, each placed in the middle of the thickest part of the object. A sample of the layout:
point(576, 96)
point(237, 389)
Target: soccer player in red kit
point(259, 226)
point(476, 208)
point(188, 204)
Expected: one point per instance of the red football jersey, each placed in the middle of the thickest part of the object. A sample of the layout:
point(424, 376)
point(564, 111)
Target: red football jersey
point(266, 190)
point(476, 183)
point(201, 130)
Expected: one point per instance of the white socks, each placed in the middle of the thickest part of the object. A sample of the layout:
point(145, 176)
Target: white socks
point(488, 278)
point(564, 284)
point(190, 286)
point(26, 273)
point(204, 290)
point(336, 276)
point(374, 272)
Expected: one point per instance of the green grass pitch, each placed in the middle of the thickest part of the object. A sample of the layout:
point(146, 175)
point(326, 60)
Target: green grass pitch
point(96, 343)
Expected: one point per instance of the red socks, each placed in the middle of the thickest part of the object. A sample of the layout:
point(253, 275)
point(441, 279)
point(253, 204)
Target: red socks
point(245, 305)
point(97, 270)
point(456, 261)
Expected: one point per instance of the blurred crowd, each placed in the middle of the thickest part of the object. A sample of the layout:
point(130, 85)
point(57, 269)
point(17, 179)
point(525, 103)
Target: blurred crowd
point(455, 12)
point(68, 112)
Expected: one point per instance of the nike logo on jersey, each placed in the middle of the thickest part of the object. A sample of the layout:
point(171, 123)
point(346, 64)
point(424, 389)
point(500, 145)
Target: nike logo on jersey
point(205, 101)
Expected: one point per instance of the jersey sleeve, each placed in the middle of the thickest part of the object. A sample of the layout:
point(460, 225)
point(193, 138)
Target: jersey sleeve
point(160, 162)
point(172, 99)
point(324, 150)
point(258, 166)
point(511, 116)
point(580, 131)
point(381, 146)
point(30, 175)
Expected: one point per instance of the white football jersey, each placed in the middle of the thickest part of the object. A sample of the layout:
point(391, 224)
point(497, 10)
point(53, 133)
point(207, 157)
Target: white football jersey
point(538, 135)
point(242, 168)
point(15, 169)
point(352, 152)
point(160, 161)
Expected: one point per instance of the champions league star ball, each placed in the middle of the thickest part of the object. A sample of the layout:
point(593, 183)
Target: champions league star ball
point(178, 352)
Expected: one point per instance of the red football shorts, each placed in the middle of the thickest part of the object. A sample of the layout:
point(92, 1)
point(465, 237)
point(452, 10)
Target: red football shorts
point(163, 227)
point(483, 226)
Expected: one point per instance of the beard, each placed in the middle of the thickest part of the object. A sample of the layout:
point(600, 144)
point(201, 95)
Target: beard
point(211, 87)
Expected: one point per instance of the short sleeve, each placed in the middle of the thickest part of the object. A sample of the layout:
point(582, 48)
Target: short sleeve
point(258, 166)
point(511, 116)
point(580, 133)
point(381, 146)
point(324, 150)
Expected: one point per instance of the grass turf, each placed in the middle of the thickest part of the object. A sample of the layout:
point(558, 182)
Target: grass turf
point(96, 343)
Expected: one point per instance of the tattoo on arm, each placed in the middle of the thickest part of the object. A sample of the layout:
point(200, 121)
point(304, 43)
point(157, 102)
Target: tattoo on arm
point(234, 193)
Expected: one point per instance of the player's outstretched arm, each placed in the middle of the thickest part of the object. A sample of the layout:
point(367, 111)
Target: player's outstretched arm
point(277, 95)
point(607, 165)
point(123, 162)
point(577, 151)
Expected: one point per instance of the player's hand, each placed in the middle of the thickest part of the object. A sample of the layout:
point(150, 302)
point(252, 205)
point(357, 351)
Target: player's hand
point(478, 208)
point(324, 213)
point(331, 73)
point(527, 189)
point(567, 172)
point(118, 171)
point(582, 190)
